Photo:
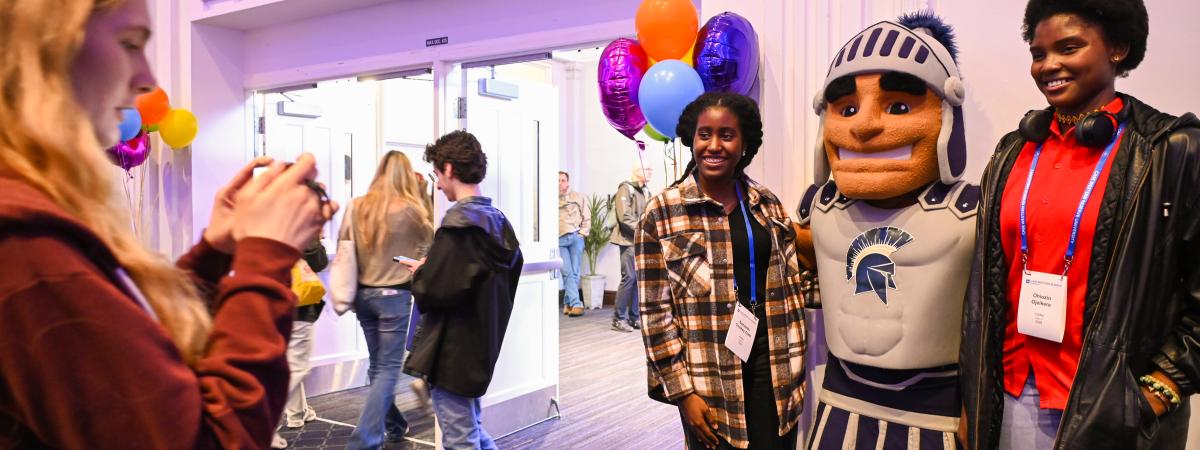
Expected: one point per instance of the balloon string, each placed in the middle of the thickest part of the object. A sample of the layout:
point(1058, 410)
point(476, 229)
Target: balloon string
point(141, 192)
point(129, 201)
point(641, 161)
point(667, 157)
point(674, 160)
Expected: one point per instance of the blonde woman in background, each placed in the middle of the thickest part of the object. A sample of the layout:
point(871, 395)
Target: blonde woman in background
point(393, 219)
point(104, 344)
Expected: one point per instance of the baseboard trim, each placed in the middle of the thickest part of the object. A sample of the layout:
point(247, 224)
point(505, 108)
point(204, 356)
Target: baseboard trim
point(338, 376)
point(521, 412)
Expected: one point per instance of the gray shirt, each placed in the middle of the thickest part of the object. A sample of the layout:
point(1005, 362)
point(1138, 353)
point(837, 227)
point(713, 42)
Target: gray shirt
point(630, 205)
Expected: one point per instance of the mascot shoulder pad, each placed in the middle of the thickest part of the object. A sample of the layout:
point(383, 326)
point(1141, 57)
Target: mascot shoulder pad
point(828, 196)
point(805, 209)
point(961, 198)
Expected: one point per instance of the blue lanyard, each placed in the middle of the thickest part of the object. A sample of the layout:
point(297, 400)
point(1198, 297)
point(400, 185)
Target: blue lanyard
point(1087, 193)
point(750, 239)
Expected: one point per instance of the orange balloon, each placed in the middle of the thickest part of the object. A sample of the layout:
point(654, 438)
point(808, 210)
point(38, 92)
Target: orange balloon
point(666, 28)
point(153, 106)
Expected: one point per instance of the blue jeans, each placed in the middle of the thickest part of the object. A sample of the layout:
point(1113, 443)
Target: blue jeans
point(627, 294)
point(570, 246)
point(461, 419)
point(383, 314)
point(1025, 424)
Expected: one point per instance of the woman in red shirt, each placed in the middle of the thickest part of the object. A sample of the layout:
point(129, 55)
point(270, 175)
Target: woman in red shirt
point(104, 345)
point(1071, 340)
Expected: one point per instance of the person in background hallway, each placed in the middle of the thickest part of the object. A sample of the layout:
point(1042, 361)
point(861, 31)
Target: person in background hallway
point(574, 223)
point(1094, 201)
point(714, 246)
point(104, 344)
point(296, 411)
point(465, 291)
point(392, 219)
point(630, 204)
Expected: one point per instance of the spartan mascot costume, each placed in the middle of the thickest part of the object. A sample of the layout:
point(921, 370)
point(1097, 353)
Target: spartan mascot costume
point(892, 233)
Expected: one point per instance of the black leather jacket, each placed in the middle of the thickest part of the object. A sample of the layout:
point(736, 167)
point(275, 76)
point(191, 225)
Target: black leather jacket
point(1143, 299)
point(465, 292)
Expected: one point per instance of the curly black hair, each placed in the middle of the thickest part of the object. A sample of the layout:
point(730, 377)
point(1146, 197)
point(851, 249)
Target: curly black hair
point(463, 152)
point(1121, 21)
point(749, 124)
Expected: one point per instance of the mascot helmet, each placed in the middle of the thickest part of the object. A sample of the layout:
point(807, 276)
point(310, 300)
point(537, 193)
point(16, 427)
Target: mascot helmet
point(919, 45)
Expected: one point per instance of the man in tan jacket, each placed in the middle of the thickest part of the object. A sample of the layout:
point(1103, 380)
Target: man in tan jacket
point(573, 225)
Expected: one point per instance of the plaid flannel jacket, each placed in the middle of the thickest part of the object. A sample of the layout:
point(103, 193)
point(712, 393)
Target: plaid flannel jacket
point(684, 259)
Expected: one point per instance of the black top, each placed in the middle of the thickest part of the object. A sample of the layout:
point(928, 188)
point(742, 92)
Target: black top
point(761, 416)
point(741, 257)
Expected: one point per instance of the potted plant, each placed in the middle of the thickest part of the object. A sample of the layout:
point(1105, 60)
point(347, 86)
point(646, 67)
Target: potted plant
point(599, 208)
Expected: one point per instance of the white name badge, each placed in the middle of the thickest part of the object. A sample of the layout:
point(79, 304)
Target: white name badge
point(1042, 311)
point(740, 337)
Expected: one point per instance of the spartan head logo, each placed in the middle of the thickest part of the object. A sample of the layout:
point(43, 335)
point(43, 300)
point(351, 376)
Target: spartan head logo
point(869, 260)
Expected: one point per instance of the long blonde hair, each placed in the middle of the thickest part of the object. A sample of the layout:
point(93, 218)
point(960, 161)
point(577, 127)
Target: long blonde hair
point(46, 139)
point(395, 182)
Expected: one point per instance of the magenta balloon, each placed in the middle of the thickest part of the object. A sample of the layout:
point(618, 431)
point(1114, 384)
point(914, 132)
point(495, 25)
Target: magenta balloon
point(622, 64)
point(131, 153)
point(726, 54)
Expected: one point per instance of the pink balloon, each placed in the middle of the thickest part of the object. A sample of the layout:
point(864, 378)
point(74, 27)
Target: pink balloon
point(131, 153)
point(622, 64)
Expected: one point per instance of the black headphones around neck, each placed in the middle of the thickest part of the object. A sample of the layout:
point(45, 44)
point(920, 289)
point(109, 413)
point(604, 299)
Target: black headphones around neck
point(1094, 130)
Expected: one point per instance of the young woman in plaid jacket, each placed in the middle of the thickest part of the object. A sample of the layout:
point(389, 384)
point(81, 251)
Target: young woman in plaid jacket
point(694, 252)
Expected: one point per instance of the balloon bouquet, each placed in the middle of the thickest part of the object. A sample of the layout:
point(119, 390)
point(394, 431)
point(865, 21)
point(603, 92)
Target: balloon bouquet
point(645, 84)
point(153, 113)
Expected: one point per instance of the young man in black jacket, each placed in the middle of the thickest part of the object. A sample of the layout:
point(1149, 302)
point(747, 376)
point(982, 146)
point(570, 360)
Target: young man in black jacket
point(464, 289)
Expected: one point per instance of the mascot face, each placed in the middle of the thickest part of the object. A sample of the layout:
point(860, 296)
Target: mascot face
point(881, 134)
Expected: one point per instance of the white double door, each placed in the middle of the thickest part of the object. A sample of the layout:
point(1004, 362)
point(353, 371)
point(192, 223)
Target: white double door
point(339, 132)
point(521, 139)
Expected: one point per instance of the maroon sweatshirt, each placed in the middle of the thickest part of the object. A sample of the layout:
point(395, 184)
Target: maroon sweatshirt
point(83, 365)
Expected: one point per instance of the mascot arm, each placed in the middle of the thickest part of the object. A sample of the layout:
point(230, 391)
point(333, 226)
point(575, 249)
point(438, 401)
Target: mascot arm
point(805, 250)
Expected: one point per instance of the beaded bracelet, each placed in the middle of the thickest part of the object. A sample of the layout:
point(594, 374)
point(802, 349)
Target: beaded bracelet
point(1166, 402)
point(1158, 387)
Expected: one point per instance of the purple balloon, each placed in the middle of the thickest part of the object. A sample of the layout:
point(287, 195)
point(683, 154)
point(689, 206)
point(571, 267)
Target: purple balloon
point(726, 54)
point(622, 64)
point(131, 153)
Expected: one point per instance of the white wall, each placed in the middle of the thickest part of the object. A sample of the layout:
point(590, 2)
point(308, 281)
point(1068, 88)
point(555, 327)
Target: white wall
point(401, 28)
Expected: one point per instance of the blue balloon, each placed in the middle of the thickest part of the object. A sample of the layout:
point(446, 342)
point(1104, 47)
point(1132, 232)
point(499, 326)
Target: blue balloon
point(666, 89)
point(131, 124)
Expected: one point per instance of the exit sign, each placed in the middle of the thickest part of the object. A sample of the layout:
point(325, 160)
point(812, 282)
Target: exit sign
point(437, 41)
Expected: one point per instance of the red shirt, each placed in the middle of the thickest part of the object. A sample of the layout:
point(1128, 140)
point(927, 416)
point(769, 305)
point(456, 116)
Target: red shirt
point(1062, 174)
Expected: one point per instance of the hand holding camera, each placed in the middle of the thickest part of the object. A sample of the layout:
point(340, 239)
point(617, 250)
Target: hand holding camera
point(283, 203)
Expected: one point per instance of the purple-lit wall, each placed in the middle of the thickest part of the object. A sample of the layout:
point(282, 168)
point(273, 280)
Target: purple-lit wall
point(405, 25)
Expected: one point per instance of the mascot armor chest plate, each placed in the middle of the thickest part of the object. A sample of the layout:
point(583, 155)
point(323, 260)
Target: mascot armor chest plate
point(893, 280)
